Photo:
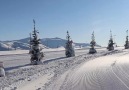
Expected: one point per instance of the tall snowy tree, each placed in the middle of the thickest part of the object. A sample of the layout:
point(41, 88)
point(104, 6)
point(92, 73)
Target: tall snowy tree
point(92, 43)
point(127, 41)
point(35, 49)
point(69, 50)
point(111, 43)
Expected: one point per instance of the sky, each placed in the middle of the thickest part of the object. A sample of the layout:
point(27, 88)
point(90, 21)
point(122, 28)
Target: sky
point(54, 17)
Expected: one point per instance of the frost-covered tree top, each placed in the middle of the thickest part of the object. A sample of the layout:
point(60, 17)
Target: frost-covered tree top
point(127, 41)
point(111, 43)
point(111, 39)
point(127, 35)
point(93, 43)
point(68, 36)
point(35, 40)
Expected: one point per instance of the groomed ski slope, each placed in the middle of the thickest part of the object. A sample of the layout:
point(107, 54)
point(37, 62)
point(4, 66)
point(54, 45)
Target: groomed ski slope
point(109, 72)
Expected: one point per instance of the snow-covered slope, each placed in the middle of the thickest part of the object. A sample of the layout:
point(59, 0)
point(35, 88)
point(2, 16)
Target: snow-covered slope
point(4, 46)
point(20, 73)
point(22, 44)
point(110, 72)
point(54, 42)
point(105, 70)
point(58, 42)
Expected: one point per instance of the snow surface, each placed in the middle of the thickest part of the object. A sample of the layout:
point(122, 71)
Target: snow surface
point(105, 70)
point(110, 72)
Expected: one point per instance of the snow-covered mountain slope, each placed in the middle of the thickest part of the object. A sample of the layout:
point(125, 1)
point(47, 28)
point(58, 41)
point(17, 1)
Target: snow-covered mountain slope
point(58, 42)
point(3, 47)
point(45, 43)
point(54, 42)
point(12, 45)
point(22, 44)
point(105, 70)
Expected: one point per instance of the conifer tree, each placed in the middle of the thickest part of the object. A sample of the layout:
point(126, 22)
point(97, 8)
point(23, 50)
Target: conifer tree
point(127, 41)
point(111, 43)
point(35, 49)
point(69, 50)
point(92, 43)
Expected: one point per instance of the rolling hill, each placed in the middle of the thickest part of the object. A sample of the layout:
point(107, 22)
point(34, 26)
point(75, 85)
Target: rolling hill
point(45, 43)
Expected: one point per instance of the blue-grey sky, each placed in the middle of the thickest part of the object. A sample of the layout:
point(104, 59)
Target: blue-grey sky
point(54, 17)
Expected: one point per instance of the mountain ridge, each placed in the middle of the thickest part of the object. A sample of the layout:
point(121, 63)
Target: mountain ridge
point(45, 43)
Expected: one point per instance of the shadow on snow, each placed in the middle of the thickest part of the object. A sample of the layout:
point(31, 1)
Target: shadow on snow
point(15, 67)
point(47, 61)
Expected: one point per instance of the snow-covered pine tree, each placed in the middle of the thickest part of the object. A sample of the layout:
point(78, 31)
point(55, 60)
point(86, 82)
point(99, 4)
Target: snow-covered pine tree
point(69, 49)
point(35, 49)
point(127, 41)
point(92, 43)
point(111, 43)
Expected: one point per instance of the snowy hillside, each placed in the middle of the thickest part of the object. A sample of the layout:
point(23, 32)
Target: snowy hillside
point(46, 43)
point(58, 42)
point(22, 44)
point(105, 70)
point(53, 42)
point(4, 46)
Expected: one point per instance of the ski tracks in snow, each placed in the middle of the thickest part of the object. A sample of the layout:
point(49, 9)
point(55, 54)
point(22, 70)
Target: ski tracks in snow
point(104, 73)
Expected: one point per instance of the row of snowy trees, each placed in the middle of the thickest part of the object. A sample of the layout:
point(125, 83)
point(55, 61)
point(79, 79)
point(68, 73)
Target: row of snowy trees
point(37, 55)
point(36, 51)
point(111, 42)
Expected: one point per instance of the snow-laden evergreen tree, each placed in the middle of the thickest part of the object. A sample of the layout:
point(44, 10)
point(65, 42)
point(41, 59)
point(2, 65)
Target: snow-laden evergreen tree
point(35, 49)
point(69, 49)
point(2, 71)
point(127, 41)
point(111, 43)
point(92, 43)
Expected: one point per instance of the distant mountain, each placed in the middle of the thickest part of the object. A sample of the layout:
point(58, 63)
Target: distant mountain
point(58, 42)
point(46, 43)
point(12, 45)
point(53, 42)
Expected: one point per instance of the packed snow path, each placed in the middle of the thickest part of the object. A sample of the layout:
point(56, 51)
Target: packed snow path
point(109, 72)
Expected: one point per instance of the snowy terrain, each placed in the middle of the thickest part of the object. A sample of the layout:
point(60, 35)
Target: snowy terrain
point(106, 70)
point(23, 44)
